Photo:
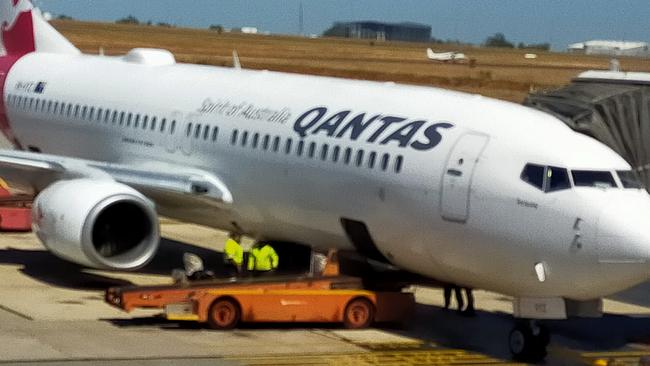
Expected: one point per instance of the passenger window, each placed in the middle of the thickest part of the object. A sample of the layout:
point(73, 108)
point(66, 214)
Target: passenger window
point(153, 123)
point(312, 149)
point(163, 124)
point(593, 178)
point(301, 147)
point(197, 131)
point(534, 175)
point(335, 153)
point(233, 137)
point(145, 122)
point(265, 142)
point(91, 114)
point(323, 152)
point(629, 179)
point(129, 118)
point(371, 160)
point(557, 179)
point(384, 162)
point(359, 159)
point(114, 117)
point(244, 138)
point(206, 132)
point(399, 161)
point(76, 111)
point(122, 115)
point(287, 146)
point(276, 143)
point(256, 139)
point(136, 121)
point(188, 130)
point(347, 156)
point(172, 129)
point(49, 107)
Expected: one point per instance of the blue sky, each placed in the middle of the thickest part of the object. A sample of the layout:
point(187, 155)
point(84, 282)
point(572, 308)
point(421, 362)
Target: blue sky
point(559, 22)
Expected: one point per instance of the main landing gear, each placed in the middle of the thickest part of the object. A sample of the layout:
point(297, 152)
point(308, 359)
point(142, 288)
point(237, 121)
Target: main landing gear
point(528, 341)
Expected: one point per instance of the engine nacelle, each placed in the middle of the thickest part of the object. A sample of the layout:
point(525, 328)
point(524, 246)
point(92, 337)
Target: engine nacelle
point(101, 224)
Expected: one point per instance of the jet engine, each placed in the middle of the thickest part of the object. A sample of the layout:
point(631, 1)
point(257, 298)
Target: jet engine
point(97, 223)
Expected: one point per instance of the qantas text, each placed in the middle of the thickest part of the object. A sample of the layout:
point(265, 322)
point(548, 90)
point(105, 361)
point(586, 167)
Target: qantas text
point(373, 128)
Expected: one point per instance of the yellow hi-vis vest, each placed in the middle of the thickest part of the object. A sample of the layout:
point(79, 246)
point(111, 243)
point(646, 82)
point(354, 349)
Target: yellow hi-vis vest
point(263, 258)
point(234, 252)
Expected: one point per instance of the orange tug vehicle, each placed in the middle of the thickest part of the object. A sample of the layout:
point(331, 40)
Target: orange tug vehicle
point(223, 304)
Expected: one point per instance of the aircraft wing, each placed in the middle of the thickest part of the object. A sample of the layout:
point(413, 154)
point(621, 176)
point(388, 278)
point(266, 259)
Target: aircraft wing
point(36, 171)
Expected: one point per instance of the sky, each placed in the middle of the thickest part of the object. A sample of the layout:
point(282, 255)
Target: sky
point(558, 22)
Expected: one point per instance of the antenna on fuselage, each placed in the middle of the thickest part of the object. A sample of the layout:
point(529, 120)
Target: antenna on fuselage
point(235, 60)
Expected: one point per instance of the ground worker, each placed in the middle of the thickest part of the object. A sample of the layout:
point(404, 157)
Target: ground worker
point(458, 291)
point(459, 296)
point(234, 253)
point(262, 259)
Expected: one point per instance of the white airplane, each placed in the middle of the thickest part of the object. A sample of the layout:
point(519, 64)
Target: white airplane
point(445, 56)
point(456, 187)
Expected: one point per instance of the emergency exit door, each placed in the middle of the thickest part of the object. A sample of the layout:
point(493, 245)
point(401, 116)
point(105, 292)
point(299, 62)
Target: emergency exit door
point(457, 177)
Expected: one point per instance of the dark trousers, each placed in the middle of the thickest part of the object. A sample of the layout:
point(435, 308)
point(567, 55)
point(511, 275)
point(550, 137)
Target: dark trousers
point(459, 297)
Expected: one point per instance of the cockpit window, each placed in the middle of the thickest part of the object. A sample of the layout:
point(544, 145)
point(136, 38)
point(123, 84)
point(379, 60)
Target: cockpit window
point(629, 179)
point(546, 178)
point(557, 179)
point(534, 175)
point(593, 178)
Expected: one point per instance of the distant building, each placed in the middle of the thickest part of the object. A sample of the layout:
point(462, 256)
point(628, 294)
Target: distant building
point(409, 32)
point(612, 48)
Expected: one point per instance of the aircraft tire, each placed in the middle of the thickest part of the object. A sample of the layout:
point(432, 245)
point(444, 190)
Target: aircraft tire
point(526, 346)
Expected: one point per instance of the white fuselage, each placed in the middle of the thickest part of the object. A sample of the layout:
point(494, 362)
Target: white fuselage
point(454, 209)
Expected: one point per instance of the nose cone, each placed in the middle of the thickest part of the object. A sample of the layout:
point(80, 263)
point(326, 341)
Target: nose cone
point(624, 229)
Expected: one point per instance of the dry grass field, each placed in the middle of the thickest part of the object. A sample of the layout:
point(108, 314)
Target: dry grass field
point(498, 73)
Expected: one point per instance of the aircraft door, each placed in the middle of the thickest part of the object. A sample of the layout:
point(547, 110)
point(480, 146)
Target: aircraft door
point(173, 134)
point(186, 133)
point(457, 177)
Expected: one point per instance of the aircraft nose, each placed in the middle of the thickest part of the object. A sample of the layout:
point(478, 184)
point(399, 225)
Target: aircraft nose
point(624, 230)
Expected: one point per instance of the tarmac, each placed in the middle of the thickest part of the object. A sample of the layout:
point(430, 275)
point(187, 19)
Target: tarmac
point(52, 312)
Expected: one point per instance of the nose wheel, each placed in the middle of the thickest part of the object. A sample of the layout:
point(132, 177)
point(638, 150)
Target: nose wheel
point(528, 341)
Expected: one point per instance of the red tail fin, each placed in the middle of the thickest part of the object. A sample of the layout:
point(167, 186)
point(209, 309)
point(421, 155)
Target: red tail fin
point(24, 30)
point(17, 27)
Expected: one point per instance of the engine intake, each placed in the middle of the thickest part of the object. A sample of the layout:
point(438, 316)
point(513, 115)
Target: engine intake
point(101, 224)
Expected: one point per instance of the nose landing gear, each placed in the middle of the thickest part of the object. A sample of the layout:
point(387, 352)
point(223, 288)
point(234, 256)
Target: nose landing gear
point(528, 341)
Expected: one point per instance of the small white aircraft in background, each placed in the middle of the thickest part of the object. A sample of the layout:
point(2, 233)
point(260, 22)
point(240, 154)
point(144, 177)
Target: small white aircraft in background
point(445, 56)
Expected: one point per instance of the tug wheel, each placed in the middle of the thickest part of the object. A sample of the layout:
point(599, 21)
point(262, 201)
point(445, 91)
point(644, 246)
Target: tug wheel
point(359, 313)
point(224, 314)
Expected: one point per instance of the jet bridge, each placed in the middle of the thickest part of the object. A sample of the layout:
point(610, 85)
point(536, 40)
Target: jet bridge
point(610, 106)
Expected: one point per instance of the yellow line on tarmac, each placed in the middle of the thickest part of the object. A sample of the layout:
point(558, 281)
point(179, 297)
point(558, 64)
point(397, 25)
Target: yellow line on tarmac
point(615, 354)
point(390, 358)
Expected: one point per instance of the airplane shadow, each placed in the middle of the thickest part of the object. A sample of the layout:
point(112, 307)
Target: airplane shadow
point(488, 332)
point(44, 267)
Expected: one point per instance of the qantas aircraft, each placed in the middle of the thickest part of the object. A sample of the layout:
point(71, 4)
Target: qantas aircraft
point(456, 187)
